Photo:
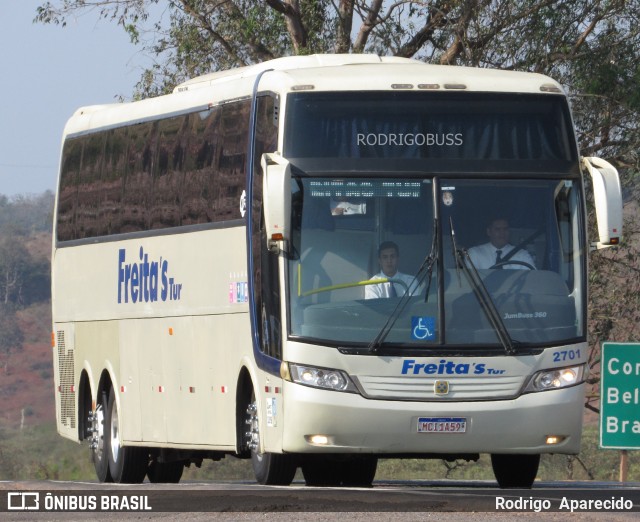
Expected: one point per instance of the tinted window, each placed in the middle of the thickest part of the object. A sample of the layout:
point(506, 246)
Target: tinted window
point(185, 170)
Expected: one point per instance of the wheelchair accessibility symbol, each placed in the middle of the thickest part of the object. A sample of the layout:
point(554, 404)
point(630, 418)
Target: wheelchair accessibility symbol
point(423, 328)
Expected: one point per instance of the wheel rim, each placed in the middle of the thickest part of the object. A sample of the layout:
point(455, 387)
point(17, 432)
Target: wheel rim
point(99, 431)
point(115, 433)
point(252, 435)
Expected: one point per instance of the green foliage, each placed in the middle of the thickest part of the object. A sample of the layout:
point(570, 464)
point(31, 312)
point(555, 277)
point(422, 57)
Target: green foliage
point(592, 47)
point(24, 279)
point(14, 260)
point(11, 337)
point(38, 452)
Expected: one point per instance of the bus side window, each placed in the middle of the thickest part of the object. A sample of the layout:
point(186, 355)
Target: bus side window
point(266, 276)
point(68, 191)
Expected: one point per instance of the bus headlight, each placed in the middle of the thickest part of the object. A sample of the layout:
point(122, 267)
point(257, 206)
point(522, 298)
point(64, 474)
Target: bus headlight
point(556, 378)
point(324, 378)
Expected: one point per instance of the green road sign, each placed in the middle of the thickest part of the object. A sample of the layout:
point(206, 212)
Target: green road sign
point(620, 396)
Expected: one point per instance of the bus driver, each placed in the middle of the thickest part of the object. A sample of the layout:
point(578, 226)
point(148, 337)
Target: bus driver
point(388, 257)
point(492, 254)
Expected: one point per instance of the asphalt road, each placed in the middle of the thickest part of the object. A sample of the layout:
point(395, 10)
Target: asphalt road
point(405, 500)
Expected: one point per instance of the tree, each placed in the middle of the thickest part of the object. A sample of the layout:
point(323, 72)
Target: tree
point(22, 215)
point(592, 47)
point(11, 337)
point(614, 304)
point(14, 267)
point(24, 279)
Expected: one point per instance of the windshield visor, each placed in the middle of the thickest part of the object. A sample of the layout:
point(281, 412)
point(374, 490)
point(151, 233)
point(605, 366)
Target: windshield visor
point(441, 127)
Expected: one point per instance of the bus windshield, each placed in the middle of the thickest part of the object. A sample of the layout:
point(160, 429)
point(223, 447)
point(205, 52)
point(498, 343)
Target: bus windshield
point(358, 244)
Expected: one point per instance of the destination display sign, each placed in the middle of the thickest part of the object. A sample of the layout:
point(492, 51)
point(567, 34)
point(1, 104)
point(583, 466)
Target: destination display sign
point(338, 188)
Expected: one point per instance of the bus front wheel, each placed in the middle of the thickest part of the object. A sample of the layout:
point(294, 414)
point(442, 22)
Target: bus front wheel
point(268, 468)
point(515, 471)
point(356, 471)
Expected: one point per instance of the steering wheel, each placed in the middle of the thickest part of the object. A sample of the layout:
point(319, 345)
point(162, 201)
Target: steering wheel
point(514, 262)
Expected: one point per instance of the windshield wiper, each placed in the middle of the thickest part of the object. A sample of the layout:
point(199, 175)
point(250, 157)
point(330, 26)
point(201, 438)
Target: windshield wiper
point(425, 270)
point(463, 262)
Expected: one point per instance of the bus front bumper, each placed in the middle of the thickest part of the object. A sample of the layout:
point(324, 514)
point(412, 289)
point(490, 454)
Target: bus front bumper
point(319, 421)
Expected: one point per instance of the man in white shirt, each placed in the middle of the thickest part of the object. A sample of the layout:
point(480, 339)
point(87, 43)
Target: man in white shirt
point(498, 247)
point(388, 257)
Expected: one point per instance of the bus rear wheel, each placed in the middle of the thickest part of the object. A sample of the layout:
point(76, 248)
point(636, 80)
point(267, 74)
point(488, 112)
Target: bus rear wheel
point(268, 468)
point(99, 442)
point(127, 464)
point(515, 471)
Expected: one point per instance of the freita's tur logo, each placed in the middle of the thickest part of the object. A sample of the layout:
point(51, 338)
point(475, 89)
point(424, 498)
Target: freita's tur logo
point(441, 387)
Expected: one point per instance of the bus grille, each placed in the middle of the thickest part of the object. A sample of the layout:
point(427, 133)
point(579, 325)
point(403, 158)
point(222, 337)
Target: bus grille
point(65, 370)
point(423, 388)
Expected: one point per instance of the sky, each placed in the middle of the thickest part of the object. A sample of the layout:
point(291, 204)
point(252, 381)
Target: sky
point(46, 73)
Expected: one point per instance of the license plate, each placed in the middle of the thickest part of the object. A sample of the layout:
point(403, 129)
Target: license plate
point(442, 425)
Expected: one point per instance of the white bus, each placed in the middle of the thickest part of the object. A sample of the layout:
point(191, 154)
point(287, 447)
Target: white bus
point(213, 257)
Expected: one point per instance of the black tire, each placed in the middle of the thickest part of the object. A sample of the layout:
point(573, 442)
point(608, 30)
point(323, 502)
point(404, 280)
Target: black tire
point(349, 472)
point(127, 464)
point(515, 471)
point(321, 473)
point(359, 471)
point(100, 445)
point(165, 472)
point(273, 469)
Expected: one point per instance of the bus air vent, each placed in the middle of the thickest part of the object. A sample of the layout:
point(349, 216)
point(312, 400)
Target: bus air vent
point(66, 371)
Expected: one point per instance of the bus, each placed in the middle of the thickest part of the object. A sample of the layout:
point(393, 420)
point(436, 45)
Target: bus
point(276, 263)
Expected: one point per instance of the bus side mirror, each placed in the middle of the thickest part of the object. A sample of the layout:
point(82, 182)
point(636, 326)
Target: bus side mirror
point(608, 200)
point(276, 197)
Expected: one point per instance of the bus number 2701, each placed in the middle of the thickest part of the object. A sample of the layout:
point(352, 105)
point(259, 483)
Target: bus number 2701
point(566, 355)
